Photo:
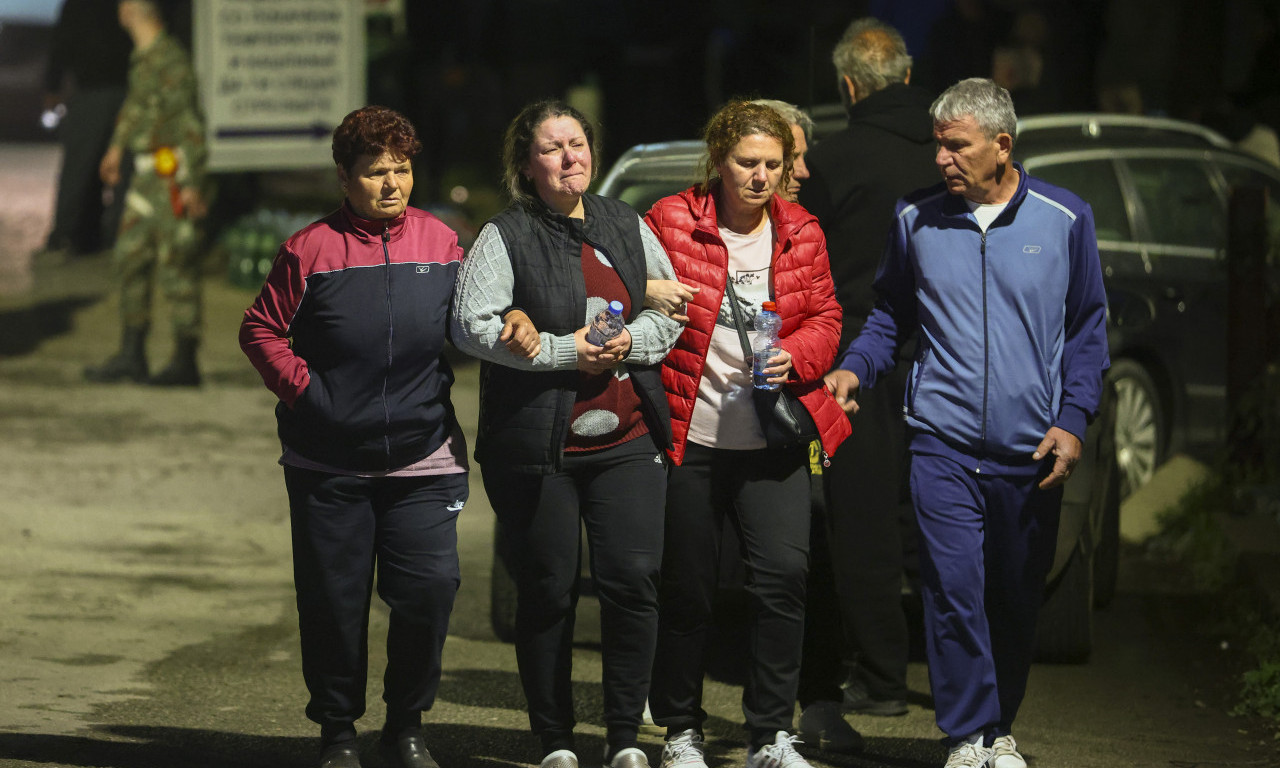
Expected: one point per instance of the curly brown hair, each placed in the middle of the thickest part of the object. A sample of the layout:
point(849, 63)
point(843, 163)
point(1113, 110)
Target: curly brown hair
point(374, 130)
point(734, 122)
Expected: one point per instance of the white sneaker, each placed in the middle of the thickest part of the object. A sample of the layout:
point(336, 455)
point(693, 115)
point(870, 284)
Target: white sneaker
point(822, 724)
point(780, 754)
point(684, 751)
point(1006, 753)
point(631, 757)
point(561, 758)
point(969, 756)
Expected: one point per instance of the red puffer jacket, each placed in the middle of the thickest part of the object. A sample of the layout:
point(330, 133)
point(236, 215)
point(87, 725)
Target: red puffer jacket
point(802, 288)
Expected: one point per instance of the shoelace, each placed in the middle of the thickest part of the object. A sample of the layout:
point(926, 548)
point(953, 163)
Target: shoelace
point(684, 749)
point(1005, 745)
point(783, 753)
point(969, 755)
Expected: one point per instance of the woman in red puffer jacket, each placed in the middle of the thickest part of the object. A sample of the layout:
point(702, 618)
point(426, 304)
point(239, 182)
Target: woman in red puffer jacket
point(734, 227)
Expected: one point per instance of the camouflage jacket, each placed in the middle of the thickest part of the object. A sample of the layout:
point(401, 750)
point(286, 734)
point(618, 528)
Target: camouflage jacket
point(162, 109)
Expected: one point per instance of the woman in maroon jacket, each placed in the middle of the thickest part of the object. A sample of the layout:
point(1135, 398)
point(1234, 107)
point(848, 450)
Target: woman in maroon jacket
point(349, 332)
point(734, 227)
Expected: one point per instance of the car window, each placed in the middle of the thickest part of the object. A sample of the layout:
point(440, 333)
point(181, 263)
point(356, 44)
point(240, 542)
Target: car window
point(1095, 181)
point(1180, 203)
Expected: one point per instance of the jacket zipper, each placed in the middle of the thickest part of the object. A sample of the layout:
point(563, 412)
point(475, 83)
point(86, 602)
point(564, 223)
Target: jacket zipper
point(386, 412)
point(986, 353)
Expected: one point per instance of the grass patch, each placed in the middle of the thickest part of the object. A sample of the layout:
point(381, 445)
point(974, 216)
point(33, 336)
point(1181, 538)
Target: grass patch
point(1260, 689)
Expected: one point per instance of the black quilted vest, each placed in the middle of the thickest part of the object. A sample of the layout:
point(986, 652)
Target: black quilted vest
point(524, 415)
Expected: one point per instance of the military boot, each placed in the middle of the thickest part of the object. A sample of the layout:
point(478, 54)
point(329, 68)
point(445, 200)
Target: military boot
point(129, 364)
point(181, 370)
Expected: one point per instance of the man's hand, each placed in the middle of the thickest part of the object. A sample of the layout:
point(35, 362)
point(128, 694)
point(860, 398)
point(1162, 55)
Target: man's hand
point(109, 168)
point(520, 335)
point(844, 386)
point(193, 203)
point(670, 297)
point(1066, 449)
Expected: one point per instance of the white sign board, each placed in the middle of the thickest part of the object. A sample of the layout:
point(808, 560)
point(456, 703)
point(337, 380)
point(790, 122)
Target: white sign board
point(276, 77)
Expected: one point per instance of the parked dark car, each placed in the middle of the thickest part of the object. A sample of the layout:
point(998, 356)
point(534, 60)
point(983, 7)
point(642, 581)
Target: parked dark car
point(1159, 190)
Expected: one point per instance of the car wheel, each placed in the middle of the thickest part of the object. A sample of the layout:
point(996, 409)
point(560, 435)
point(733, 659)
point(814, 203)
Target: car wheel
point(1140, 429)
point(1064, 633)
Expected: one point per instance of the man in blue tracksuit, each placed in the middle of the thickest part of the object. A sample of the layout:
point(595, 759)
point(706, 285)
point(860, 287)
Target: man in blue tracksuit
point(999, 273)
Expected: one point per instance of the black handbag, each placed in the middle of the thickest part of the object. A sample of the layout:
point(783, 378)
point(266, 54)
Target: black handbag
point(783, 418)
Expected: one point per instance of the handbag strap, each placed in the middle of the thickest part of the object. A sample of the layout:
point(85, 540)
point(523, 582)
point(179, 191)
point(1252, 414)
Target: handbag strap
point(738, 321)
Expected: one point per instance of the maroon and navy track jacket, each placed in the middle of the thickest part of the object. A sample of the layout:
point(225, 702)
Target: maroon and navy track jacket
point(349, 332)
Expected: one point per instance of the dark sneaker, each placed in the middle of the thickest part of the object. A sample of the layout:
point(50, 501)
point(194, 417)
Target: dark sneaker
point(408, 751)
point(857, 700)
point(340, 756)
point(823, 725)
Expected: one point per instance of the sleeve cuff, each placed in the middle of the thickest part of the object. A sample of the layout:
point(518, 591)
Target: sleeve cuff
point(1073, 419)
point(565, 354)
point(857, 365)
point(638, 342)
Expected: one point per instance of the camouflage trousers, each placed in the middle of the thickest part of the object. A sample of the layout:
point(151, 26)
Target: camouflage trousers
point(155, 244)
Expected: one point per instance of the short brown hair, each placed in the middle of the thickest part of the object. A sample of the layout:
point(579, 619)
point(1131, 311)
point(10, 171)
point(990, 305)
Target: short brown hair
point(519, 138)
point(372, 131)
point(734, 122)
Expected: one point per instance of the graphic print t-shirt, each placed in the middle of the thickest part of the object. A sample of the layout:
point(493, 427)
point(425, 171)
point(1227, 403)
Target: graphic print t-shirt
point(723, 415)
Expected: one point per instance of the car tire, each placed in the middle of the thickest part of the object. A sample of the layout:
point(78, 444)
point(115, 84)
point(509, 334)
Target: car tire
point(1064, 633)
point(502, 591)
point(1140, 425)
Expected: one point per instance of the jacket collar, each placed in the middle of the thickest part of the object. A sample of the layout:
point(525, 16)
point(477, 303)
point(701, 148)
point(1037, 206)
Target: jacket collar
point(579, 228)
point(372, 229)
point(703, 206)
point(897, 108)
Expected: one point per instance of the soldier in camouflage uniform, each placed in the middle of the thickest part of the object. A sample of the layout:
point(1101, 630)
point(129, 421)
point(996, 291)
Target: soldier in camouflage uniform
point(160, 123)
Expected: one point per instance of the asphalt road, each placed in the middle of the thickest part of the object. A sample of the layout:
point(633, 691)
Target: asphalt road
point(146, 605)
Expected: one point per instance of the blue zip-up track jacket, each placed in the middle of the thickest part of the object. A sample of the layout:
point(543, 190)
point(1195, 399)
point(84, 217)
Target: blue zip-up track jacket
point(1012, 323)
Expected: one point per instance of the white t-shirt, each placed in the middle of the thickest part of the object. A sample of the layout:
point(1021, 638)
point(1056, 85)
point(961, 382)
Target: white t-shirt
point(723, 414)
point(985, 213)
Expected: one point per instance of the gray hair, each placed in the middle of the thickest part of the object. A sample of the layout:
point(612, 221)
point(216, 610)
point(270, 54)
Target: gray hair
point(990, 106)
point(791, 113)
point(873, 55)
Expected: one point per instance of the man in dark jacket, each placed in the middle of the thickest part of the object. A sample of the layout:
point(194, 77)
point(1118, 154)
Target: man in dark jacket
point(856, 176)
point(88, 64)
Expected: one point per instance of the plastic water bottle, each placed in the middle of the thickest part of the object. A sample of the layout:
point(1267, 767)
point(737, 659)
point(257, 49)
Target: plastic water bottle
point(766, 346)
point(606, 325)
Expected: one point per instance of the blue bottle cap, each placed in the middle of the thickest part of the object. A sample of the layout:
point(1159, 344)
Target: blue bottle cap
point(615, 307)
